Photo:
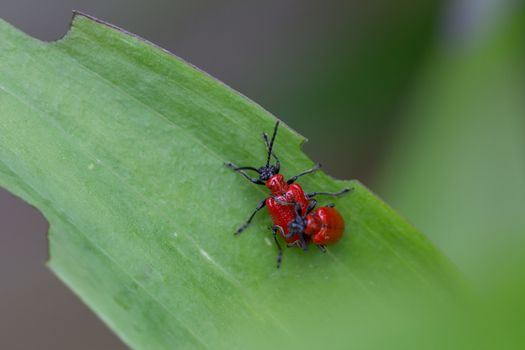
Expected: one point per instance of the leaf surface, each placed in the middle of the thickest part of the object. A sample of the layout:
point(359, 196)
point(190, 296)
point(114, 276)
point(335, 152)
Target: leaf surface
point(121, 145)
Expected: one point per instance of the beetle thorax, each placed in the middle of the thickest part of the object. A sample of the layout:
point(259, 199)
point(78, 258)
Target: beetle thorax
point(277, 184)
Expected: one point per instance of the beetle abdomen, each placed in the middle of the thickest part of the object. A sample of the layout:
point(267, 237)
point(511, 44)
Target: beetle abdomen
point(332, 226)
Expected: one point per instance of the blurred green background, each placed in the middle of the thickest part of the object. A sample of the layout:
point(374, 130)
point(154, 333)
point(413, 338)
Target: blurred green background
point(423, 101)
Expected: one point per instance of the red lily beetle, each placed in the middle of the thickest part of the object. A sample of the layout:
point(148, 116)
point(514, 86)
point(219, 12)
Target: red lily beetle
point(288, 202)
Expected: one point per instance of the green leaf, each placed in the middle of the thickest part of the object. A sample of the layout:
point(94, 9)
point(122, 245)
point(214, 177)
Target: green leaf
point(121, 146)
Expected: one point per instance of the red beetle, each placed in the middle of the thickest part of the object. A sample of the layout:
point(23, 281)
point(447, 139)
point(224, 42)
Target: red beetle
point(288, 202)
point(323, 226)
point(283, 214)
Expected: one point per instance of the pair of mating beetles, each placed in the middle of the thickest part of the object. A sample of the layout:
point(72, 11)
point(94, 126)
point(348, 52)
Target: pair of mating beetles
point(292, 210)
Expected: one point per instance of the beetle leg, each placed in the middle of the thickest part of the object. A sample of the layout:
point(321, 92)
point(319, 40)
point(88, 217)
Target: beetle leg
point(278, 201)
point(331, 205)
point(297, 209)
point(243, 172)
point(322, 248)
point(311, 206)
point(306, 172)
point(302, 243)
point(279, 249)
point(261, 205)
point(335, 194)
point(288, 235)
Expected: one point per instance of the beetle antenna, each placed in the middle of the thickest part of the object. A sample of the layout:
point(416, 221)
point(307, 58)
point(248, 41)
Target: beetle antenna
point(271, 143)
